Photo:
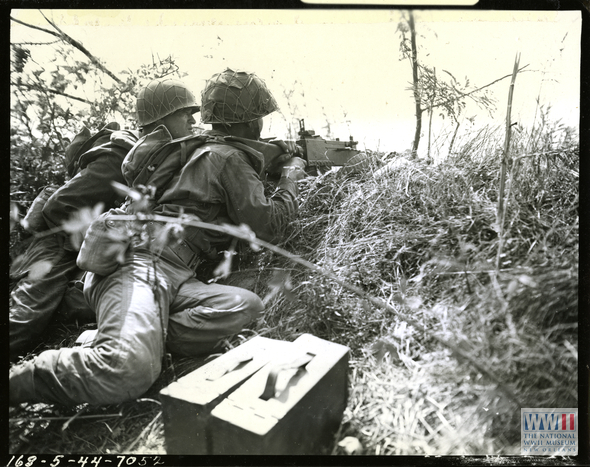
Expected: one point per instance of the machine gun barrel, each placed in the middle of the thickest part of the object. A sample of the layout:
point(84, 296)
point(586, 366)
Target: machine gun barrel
point(316, 151)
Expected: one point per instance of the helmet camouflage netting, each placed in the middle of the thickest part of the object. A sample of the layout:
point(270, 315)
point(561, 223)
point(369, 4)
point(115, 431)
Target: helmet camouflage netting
point(235, 97)
point(162, 97)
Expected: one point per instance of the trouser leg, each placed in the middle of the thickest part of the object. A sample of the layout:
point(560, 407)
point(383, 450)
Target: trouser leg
point(74, 307)
point(202, 314)
point(33, 302)
point(125, 358)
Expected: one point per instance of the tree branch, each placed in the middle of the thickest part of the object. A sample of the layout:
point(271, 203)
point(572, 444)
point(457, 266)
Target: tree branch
point(53, 91)
point(84, 50)
point(475, 90)
point(493, 82)
point(74, 43)
point(247, 235)
point(35, 43)
point(35, 27)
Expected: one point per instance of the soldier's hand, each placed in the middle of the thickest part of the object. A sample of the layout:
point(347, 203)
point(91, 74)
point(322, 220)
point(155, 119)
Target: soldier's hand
point(294, 168)
point(289, 148)
point(277, 163)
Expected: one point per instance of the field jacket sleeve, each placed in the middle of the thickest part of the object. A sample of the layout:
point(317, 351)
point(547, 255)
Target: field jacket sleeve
point(248, 204)
point(100, 165)
point(90, 186)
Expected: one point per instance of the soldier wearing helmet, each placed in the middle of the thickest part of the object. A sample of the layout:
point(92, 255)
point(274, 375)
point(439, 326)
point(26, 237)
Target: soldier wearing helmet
point(33, 303)
point(93, 163)
point(234, 103)
point(237, 99)
point(166, 102)
point(140, 317)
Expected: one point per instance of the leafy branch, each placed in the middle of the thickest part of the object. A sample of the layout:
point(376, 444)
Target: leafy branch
point(73, 42)
point(52, 91)
point(49, 104)
point(431, 92)
point(244, 233)
point(473, 91)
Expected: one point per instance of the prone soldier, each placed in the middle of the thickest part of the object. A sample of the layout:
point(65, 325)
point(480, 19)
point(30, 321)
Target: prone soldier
point(33, 303)
point(145, 305)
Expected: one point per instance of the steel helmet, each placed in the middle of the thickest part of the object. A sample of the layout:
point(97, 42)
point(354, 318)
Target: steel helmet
point(160, 98)
point(235, 97)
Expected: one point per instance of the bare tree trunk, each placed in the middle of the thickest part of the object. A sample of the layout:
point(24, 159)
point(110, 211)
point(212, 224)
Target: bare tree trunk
point(412, 26)
point(505, 156)
point(430, 110)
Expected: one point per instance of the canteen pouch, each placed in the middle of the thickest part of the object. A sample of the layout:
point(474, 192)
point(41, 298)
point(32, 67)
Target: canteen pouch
point(105, 243)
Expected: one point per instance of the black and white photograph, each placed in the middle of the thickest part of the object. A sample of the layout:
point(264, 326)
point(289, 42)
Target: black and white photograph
point(276, 232)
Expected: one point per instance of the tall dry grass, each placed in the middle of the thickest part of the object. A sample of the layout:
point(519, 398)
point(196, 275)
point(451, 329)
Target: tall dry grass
point(424, 239)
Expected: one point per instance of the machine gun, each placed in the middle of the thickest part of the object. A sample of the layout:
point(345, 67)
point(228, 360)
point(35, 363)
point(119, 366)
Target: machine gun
point(319, 153)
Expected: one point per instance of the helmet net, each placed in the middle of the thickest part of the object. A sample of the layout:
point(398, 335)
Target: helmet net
point(161, 98)
point(235, 97)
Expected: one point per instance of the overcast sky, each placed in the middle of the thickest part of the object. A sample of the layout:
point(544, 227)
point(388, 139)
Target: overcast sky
point(343, 67)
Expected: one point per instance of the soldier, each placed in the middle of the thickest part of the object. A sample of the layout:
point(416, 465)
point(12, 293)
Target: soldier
point(145, 304)
point(33, 303)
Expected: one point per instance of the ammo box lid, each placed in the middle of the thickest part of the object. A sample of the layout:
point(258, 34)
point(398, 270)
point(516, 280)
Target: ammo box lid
point(218, 377)
point(278, 387)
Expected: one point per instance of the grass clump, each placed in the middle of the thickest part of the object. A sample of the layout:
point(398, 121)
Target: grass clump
point(424, 238)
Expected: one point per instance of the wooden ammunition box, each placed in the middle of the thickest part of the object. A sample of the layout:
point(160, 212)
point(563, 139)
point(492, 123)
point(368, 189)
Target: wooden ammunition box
point(293, 405)
point(187, 403)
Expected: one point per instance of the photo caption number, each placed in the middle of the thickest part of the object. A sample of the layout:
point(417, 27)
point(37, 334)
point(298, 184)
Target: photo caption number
point(126, 460)
point(85, 461)
point(21, 463)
